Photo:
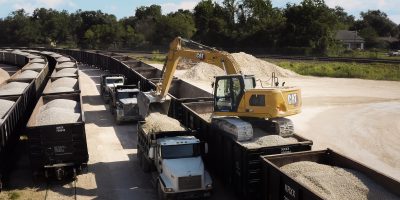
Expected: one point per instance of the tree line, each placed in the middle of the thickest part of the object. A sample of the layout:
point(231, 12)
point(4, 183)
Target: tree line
point(242, 24)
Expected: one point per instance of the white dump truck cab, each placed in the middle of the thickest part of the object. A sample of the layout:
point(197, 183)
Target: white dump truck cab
point(112, 82)
point(124, 103)
point(180, 168)
point(108, 82)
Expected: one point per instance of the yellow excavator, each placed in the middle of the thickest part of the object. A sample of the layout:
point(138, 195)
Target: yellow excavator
point(235, 94)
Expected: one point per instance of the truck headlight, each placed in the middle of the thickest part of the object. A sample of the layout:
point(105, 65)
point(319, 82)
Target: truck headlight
point(169, 189)
point(208, 186)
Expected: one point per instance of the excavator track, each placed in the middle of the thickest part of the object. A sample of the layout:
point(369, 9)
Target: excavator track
point(284, 126)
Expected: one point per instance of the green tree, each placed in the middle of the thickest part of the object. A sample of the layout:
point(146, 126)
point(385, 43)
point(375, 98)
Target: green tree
point(310, 24)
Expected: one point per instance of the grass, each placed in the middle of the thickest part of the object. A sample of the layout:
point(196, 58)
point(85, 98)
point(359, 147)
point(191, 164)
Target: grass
point(368, 54)
point(154, 58)
point(373, 71)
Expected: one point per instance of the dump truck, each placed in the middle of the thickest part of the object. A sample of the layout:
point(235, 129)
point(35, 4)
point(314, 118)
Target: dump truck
point(123, 103)
point(109, 81)
point(174, 158)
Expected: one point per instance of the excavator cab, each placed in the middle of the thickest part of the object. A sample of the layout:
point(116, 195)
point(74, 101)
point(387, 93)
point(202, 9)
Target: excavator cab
point(229, 91)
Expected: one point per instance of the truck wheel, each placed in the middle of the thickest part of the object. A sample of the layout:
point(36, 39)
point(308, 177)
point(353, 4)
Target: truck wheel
point(118, 122)
point(139, 156)
point(161, 195)
point(145, 164)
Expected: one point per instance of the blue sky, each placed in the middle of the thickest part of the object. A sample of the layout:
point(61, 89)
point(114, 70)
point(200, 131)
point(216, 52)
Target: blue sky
point(122, 8)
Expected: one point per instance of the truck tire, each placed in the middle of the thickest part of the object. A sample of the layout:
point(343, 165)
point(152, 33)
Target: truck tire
point(161, 195)
point(145, 164)
point(118, 122)
point(139, 156)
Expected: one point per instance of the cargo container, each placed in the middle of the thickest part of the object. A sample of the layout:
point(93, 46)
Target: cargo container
point(58, 150)
point(237, 165)
point(279, 185)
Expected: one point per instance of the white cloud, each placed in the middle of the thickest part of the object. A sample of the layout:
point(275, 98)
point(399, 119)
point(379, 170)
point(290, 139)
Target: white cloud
point(29, 5)
point(395, 18)
point(184, 4)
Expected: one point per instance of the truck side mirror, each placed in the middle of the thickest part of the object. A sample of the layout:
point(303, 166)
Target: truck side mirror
point(151, 153)
point(206, 148)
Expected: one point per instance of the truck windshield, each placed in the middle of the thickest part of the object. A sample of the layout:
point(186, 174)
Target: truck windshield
point(126, 95)
point(180, 151)
point(114, 80)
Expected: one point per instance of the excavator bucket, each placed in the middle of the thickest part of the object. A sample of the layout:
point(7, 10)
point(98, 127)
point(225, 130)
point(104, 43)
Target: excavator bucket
point(149, 102)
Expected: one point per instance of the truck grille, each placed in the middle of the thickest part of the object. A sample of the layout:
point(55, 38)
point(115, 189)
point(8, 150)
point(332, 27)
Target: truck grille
point(189, 182)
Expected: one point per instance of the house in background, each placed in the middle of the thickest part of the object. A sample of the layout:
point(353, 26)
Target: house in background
point(350, 39)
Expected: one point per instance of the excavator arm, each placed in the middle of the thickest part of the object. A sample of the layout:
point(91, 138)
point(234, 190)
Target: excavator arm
point(209, 55)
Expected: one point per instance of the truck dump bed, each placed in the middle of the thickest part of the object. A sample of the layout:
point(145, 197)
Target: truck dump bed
point(279, 185)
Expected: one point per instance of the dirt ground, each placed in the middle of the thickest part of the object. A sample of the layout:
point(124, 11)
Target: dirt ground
point(113, 169)
point(359, 118)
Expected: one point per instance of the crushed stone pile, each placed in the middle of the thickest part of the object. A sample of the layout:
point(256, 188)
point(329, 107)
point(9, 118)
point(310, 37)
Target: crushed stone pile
point(60, 103)
point(37, 60)
point(185, 64)
point(60, 111)
point(262, 69)
point(249, 65)
point(336, 183)
point(203, 72)
point(65, 84)
point(13, 88)
point(63, 59)
point(206, 116)
point(66, 72)
point(4, 75)
point(27, 74)
point(34, 66)
point(268, 141)
point(66, 65)
point(157, 122)
point(5, 106)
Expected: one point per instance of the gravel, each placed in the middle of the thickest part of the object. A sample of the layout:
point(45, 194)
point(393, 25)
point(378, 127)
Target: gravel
point(55, 55)
point(268, 141)
point(58, 111)
point(33, 66)
point(37, 60)
point(157, 122)
point(53, 116)
point(59, 89)
point(65, 82)
point(63, 59)
point(5, 106)
point(61, 103)
point(27, 74)
point(206, 116)
point(4, 75)
point(68, 70)
point(59, 74)
point(336, 183)
point(66, 65)
point(13, 88)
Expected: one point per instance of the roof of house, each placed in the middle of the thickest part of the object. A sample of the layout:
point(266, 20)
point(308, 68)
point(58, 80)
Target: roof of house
point(349, 36)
